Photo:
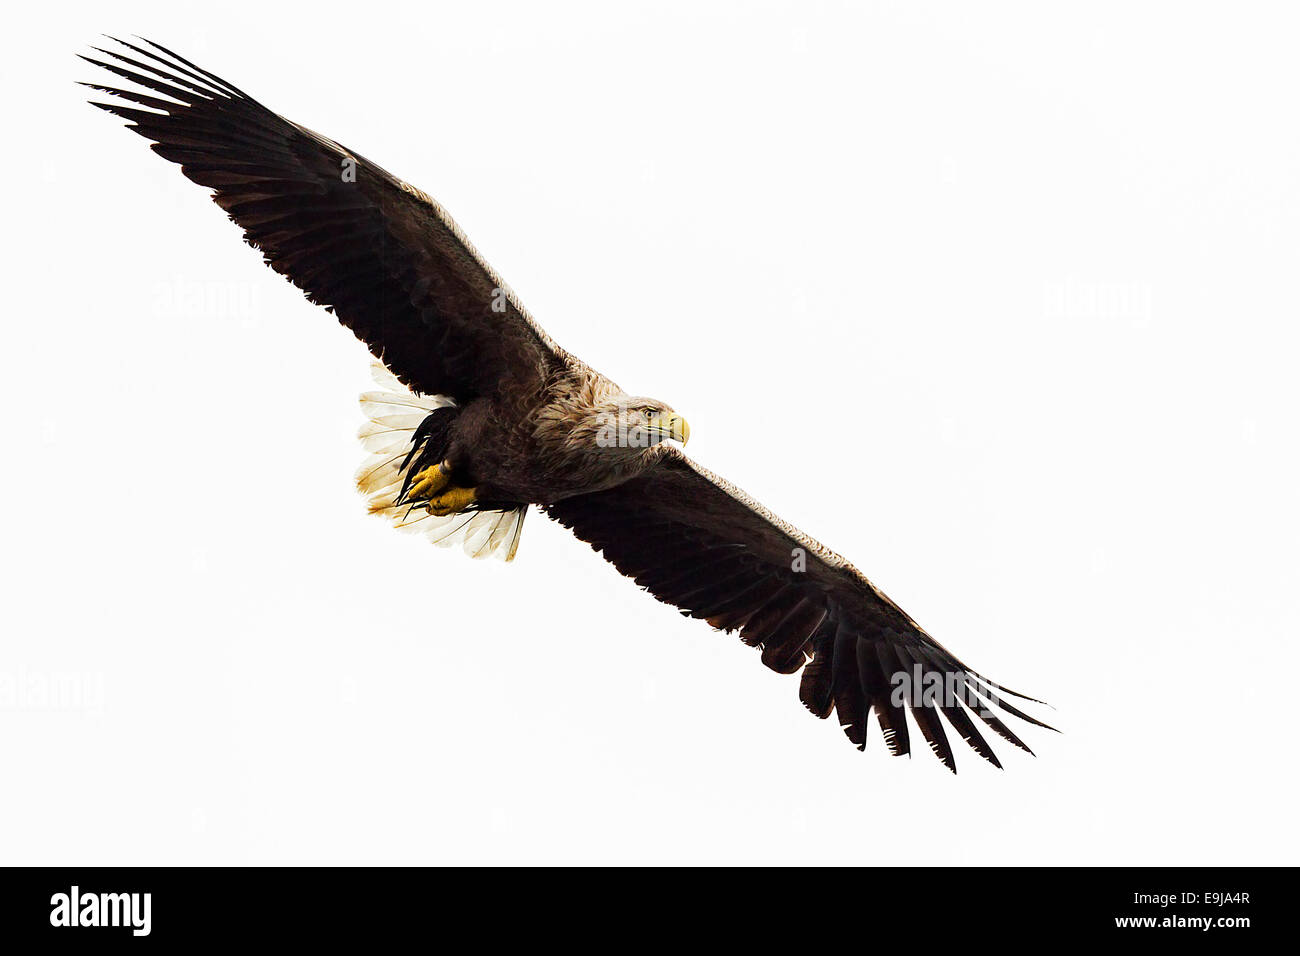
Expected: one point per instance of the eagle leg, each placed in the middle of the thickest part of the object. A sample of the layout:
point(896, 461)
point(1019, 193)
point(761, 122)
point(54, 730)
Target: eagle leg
point(430, 481)
point(452, 501)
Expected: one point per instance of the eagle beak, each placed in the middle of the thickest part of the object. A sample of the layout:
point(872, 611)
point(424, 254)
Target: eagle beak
point(673, 426)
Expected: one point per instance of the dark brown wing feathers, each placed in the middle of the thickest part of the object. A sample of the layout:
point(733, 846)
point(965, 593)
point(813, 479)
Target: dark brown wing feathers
point(380, 254)
point(694, 544)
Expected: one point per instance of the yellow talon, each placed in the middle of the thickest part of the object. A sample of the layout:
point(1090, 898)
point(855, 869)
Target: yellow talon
point(452, 501)
point(429, 482)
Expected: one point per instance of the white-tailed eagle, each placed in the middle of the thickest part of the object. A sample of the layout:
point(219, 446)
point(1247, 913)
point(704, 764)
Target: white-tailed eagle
point(480, 415)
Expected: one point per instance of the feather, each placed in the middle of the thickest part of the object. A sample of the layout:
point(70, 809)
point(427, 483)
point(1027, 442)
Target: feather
point(395, 417)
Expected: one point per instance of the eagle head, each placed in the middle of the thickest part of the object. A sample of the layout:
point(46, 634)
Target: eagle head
point(638, 423)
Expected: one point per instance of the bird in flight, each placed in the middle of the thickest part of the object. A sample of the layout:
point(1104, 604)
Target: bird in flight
point(479, 415)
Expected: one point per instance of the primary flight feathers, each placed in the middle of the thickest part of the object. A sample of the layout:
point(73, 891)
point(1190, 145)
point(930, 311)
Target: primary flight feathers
point(484, 415)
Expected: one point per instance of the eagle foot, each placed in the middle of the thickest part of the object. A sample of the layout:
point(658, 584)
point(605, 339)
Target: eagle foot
point(430, 481)
point(452, 501)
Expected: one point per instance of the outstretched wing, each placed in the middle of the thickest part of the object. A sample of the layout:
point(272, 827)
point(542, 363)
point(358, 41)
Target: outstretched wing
point(701, 544)
point(382, 255)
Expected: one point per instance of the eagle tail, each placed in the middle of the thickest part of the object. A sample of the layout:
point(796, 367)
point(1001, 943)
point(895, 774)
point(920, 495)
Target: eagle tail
point(393, 414)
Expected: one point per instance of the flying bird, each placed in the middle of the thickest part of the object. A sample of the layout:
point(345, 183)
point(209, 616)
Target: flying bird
point(479, 415)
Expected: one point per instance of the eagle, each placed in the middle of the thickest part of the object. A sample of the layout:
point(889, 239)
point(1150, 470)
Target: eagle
point(478, 416)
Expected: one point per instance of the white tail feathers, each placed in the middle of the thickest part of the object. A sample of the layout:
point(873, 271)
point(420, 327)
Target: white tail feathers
point(393, 414)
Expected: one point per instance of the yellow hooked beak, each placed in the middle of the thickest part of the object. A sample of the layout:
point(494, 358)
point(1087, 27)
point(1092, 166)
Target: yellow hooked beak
point(672, 426)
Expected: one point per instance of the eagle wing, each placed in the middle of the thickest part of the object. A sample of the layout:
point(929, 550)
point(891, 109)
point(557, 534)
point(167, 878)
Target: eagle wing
point(699, 543)
point(379, 253)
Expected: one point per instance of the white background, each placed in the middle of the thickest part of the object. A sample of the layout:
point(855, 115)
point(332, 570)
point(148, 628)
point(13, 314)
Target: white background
point(1000, 303)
